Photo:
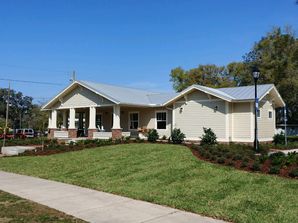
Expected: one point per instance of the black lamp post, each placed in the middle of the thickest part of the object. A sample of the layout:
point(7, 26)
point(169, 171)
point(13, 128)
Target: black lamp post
point(256, 75)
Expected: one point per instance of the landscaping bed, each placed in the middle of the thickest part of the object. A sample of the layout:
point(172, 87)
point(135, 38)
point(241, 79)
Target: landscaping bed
point(244, 157)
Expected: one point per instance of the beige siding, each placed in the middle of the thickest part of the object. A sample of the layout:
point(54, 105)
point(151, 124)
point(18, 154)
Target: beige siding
point(241, 121)
point(266, 125)
point(192, 116)
point(81, 97)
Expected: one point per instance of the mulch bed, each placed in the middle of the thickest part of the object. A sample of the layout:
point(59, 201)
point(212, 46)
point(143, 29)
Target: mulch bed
point(265, 167)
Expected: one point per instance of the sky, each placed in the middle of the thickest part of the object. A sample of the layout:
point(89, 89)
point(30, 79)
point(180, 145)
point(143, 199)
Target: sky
point(131, 43)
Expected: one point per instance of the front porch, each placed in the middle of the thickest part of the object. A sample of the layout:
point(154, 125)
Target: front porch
point(94, 123)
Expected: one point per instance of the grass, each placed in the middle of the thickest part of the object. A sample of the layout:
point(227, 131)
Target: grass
point(15, 209)
point(172, 176)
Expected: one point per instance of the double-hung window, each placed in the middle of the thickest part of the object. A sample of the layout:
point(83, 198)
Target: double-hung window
point(161, 120)
point(133, 120)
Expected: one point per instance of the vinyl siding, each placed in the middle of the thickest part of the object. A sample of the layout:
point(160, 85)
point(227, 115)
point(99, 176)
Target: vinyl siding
point(81, 97)
point(196, 114)
point(266, 125)
point(241, 121)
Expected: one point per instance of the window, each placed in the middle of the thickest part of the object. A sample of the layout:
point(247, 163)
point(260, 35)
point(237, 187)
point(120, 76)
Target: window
point(270, 114)
point(258, 113)
point(133, 120)
point(161, 120)
point(99, 121)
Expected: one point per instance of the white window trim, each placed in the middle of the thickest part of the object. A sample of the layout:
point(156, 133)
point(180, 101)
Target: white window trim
point(133, 112)
point(158, 111)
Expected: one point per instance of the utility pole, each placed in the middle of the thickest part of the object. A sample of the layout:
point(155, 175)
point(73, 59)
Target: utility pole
point(285, 120)
point(73, 79)
point(6, 119)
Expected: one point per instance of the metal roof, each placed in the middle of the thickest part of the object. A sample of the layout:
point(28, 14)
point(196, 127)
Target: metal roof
point(246, 92)
point(127, 95)
point(131, 96)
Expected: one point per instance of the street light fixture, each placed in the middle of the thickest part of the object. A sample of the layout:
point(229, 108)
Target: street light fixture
point(256, 75)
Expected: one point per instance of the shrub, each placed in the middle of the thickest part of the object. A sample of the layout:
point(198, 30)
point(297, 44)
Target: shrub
point(164, 137)
point(209, 137)
point(207, 155)
point(294, 173)
point(274, 170)
point(277, 158)
point(237, 157)
point(256, 166)
point(263, 158)
point(279, 138)
point(177, 136)
point(220, 160)
point(244, 164)
point(152, 135)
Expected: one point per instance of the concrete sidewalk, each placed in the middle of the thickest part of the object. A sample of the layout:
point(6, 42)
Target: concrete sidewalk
point(92, 205)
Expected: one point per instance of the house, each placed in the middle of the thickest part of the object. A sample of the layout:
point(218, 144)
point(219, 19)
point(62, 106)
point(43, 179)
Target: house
point(96, 110)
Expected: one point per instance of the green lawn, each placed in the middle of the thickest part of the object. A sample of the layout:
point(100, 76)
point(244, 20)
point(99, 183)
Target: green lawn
point(15, 209)
point(169, 175)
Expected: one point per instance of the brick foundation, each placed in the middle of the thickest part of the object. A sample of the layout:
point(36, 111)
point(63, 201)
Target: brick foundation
point(116, 133)
point(51, 133)
point(72, 133)
point(90, 133)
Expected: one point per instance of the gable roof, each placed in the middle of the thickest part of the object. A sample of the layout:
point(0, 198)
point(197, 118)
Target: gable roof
point(246, 92)
point(235, 94)
point(137, 97)
point(118, 95)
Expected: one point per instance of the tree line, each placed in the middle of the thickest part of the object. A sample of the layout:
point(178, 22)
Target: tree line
point(275, 55)
point(23, 113)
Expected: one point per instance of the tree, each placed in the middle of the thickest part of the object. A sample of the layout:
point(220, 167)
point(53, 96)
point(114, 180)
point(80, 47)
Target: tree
point(21, 110)
point(276, 55)
point(207, 75)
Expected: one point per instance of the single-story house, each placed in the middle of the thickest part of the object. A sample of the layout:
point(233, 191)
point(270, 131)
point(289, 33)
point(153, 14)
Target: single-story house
point(96, 110)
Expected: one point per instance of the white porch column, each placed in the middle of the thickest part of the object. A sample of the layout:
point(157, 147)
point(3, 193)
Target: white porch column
point(92, 118)
point(54, 119)
point(50, 120)
point(116, 117)
point(64, 116)
point(72, 117)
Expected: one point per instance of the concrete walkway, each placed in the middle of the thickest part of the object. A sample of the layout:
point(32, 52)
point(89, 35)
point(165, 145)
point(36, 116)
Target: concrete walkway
point(92, 205)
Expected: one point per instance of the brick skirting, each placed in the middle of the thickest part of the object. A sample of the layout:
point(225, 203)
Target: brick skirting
point(116, 133)
point(51, 133)
point(72, 133)
point(90, 133)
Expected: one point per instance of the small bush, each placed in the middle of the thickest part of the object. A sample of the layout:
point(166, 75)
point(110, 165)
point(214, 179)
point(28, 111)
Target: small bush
point(152, 135)
point(163, 137)
point(274, 170)
point(209, 137)
point(220, 160)
point(244, 164)
point(177, 136)
point(279, 138)
point(237, 157)
point(277, 158)
point(294, 173)
point(256, 166)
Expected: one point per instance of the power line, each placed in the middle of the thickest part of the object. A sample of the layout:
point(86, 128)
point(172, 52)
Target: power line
point(35, 68)
point(31, 82)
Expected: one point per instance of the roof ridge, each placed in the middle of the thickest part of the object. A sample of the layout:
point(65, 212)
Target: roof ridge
point(118, 86)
